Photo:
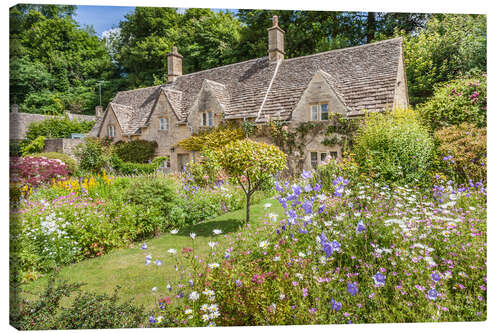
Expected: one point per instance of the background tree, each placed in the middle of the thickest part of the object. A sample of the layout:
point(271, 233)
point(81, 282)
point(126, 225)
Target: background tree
point(250, 164)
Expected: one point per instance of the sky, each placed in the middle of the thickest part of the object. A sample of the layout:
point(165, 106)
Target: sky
point(105, 18)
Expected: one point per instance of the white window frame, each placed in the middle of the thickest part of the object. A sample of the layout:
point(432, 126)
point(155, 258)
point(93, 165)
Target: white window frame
point(321, 156)
point(317, 111)
point(164, 124)
point(207, 119)
point(111, 131)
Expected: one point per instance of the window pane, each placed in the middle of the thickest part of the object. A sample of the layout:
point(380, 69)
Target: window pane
point(314, 159)
point(323, 156)
point(210, 119)
point(204, 117)
point(314, 112)
point(324, 111)
point(166, 123)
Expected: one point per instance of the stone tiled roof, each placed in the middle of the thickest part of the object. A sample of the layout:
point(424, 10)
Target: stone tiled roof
point(364, 78)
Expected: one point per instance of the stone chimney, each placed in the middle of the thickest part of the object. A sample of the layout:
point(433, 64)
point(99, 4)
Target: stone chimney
point(174, 64)
point(14, 108)
point(276, 41)
point(98, 111)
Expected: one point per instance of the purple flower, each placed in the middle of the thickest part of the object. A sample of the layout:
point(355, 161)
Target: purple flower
point(152, 320)
point(238, 283)
point(306, 174)
point(379, 279)
point(144, 246)
point(278, 187)
point(191, 283)
point(292, 214)
point(304, 292)
point(317, 187)
point(307, 207)
point(432, 294)
point(321, 209)
point(361, 227)
point(158, 263)
point(335, 305)
point(435, 277)
point(308, 188)
point(352, 289)
point(336, 246)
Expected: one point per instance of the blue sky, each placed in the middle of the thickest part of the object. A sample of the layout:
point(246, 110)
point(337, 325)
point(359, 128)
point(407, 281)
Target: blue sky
point(103, 18)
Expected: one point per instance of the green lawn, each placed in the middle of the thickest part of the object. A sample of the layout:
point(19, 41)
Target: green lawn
point(126, 267)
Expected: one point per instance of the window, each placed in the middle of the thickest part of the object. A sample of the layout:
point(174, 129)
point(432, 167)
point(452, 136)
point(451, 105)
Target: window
point(111, 131)
point(319, 111)
point(164, 124)
point(314, 159)
point(323, 156)
point(334, 154)
point(207, 119)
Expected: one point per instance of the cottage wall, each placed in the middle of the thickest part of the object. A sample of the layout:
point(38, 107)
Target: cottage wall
point(401, 91)
point(207, 101)
point(110, 119)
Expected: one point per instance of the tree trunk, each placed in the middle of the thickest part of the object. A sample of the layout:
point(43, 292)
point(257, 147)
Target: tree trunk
point(248, 207)
point(370, 27)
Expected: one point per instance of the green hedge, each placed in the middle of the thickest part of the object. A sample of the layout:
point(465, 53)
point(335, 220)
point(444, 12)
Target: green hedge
point(137, 151)
point(59, 127)
point(130, 168)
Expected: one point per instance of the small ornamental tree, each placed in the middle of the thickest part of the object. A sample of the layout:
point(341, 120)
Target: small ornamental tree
point(250, 164)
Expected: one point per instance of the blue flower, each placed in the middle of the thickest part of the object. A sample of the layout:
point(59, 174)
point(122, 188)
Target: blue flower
point(191, 283)
point(238, 283)
point(361, 227)
point(317, 187)
point(336, 246)
point(335, 305)
point(379, 279)
point(308, 188)
point(321, 209)
point(292, 214)
point(327, 247)
point(152, 320)
point(158, 263)
point(432, 294)
point(297, 189)
point(306, 174)
point(307, 207)
point(278, 187)
point(144, 246)
point(435, 277)
point(352, 289)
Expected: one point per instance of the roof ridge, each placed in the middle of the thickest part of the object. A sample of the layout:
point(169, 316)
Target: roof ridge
point(126, 91)
point(345, 48)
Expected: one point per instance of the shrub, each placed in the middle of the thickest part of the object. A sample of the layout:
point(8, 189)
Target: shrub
point(461, 152)
point(212, 138)
point(68, 160)
point(35, 171)
point(131, 168)
point(87, 310)
point(251, 165)
point(14, 148)
point(456, 102)
point(93, 154)
point(57, 127)
point(394, 146)
point(137, 151)
point(35, 146)
point(347, 168)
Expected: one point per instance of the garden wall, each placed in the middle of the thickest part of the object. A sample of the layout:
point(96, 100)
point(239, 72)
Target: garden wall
point(61, 146)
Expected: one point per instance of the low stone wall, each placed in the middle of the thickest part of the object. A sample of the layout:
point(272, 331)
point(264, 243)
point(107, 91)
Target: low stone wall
point(61, 146)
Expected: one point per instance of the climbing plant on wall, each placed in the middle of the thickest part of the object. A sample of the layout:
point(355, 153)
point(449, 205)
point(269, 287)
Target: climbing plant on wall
point(213, 138)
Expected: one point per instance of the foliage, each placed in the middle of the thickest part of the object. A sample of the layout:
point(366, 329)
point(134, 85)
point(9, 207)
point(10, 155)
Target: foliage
point(34, 171)
point(455, 102)
point(204, 172)
point(351, 256)
point(87, 311)
point(330, 169)
point(62, 71)
point(35, 146)
point(461, 152)
point(131, 168)
point(394, 146)
point(251, 164)
point(14, 148)
point(57, 127)
point(93, 154)
point(137, 151)
point(212, 138)
point(449, 46)
point(66, 159)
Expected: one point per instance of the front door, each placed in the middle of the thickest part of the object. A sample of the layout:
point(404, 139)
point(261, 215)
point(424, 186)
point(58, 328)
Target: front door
point(182, 160)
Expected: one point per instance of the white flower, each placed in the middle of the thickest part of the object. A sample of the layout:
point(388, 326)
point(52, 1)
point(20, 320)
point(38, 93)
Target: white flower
point(193, 296)
point(282, 296)
point(213, 265)
point(204, 308)
point(214, 314)
point(302, 254)
point(208, 292)
point(217, 231)
point(149, 257)
point(277, 258)
point(267, 205)
point(192, 235)
point(273, 217)
point(159, 319)
point(264, 244)
point(328, 223)
point(188, 311)
point(154, 289)
point(205, 317)
point(300, 276)
point(321, 197)
point(212, 244)
point(213, 308)
point(172, 251)
point(174, 231)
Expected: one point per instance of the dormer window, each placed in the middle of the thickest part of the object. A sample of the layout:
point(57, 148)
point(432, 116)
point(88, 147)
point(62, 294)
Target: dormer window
point(111, 131)
point(207, 119)
point(163, 124)
point(319, 111)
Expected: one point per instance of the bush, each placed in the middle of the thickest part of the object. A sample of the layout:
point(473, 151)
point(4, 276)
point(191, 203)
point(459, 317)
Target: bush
point(93, 154)
point(347, 168)
point(131, 168)
point(394, 146)
point(461, 152)
point(66, 159)
point(137, 151)
point(35, 146)
point(57, 127)
point(35, 171)
point(14, 148)
point(87, 310)
point(456, 102)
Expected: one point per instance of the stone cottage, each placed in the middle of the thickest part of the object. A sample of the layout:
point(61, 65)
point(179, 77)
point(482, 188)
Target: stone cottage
point(348, 81)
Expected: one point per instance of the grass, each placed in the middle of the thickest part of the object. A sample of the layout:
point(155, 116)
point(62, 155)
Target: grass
point(126, 267)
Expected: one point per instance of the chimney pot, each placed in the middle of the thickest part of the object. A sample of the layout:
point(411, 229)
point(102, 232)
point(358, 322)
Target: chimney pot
point(174, 64)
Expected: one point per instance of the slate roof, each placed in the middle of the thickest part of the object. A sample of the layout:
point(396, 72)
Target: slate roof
point(364, 77)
